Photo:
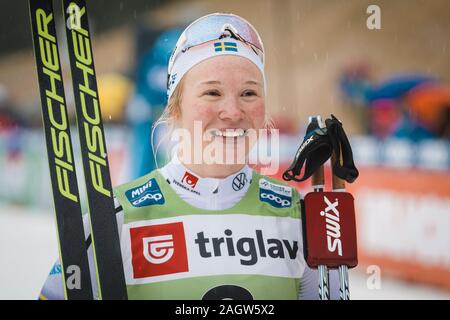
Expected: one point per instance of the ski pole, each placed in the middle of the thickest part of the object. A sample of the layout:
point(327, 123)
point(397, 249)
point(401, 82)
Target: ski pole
point(318, 182)
point(339, 186)
point(328, 218)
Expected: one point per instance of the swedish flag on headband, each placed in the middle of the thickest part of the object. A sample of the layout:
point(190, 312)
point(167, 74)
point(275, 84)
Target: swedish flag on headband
point(225, 46)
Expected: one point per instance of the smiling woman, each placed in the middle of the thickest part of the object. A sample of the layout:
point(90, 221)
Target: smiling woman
point(209, 226)
point(226, 107)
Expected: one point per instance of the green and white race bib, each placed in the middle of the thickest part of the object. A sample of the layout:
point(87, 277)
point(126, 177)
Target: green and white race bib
point(172, 250)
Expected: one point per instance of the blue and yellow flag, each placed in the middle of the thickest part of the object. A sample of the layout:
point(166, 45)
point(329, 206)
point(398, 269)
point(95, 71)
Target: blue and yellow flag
point(225, 46)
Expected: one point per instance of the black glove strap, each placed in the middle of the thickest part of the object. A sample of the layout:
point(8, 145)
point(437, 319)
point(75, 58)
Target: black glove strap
point(339, 140)
point(317, 147)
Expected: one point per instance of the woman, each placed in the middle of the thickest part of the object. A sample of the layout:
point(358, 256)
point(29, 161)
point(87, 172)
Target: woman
point(207, 226)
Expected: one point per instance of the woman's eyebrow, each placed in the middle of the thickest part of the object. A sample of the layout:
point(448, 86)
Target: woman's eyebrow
point(253, 82)
point(210, 82)
point(218, 82)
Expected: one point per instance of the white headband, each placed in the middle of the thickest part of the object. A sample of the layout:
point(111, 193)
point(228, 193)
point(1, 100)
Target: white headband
point(193, 56)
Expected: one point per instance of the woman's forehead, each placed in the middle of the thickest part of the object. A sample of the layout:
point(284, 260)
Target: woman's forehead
point(222, 68)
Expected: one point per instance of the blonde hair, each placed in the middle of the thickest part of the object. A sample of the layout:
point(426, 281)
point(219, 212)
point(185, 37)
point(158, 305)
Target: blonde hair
point(172, 113)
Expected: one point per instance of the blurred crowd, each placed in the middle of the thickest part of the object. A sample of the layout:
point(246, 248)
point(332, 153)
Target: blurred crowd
point(410, 106)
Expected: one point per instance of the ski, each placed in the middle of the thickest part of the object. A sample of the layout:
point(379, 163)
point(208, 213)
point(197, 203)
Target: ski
point(104, 231)
point(66, 200)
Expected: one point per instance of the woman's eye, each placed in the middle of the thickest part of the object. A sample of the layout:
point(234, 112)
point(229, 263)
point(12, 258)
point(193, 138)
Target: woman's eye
point(213, 93)
point(249, 93)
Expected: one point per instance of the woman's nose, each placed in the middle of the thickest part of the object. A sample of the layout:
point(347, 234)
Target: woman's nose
point(231, 110)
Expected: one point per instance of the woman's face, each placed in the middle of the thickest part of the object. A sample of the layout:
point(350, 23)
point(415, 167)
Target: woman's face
point(225, 95)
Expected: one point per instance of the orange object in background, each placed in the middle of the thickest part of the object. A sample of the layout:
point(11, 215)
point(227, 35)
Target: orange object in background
point(403, 221)
point(428, 101)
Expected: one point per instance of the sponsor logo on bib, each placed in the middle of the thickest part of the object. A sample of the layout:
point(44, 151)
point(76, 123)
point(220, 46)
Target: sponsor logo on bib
point(239, 181)
point(158, 250)
point(198, 245)
point(146, 194)
point(276, 195)
point(189, 179)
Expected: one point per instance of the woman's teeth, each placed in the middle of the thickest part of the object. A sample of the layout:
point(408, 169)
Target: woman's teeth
point(230, 133)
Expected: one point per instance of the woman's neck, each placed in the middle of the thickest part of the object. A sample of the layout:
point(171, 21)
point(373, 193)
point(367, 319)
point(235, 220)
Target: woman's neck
point(218, 171)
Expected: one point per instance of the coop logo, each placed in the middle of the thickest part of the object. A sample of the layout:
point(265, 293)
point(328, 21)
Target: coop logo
point(158, 250)
point(189, 179)
point(148, 198)
point(277, 196)
point(271, 198)
point(333, 227)
point(146, 194)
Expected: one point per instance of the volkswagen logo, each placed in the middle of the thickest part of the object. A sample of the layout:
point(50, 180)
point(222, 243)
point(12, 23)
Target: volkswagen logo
point(239, 181)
